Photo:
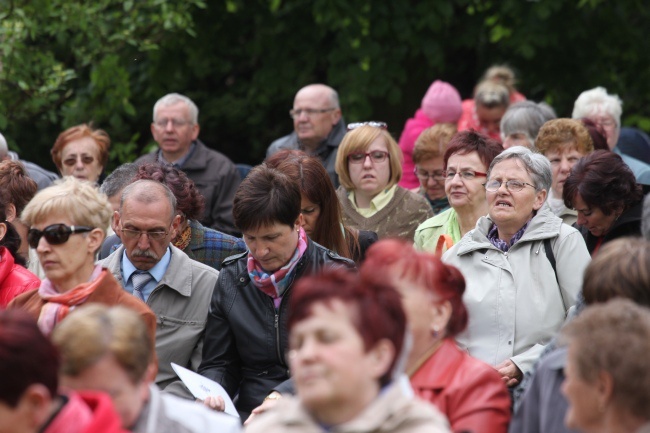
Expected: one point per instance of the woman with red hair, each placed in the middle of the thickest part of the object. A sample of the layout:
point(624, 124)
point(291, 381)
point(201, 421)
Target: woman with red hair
point(468, 391)
point(345, 344)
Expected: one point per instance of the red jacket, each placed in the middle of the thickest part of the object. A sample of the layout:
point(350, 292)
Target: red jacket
point(14, 279)
point(86, 412)
point(470, 392)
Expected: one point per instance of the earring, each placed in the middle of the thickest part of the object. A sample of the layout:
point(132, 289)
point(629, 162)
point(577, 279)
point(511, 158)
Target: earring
point(436, 331)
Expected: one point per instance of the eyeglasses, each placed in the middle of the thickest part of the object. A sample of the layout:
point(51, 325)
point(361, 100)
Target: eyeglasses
point(308, 111)
point(85, 159)
point(425, 175)
point(373, 123)
point(135, 234)
point(176, 123)
point(511, 185)
point(56, 234)
point(464, 174)
point(376, 156)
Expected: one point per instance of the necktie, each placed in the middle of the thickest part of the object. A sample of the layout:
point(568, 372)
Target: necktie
point(139, 280)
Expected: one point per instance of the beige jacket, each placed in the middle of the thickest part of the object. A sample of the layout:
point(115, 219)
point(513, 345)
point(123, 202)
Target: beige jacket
point(392, 411)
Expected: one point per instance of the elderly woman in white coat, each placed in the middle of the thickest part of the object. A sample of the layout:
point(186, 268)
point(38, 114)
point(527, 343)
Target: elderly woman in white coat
point(522, 265)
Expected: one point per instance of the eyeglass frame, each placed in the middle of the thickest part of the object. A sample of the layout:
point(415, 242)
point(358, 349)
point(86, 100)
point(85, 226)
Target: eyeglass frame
point(441, 176)
point(137, 234)
point(296, 113)
point(176, 123)
point(366, 155)
point(462, 177)
point(34, 235)
point(373, 123)
point(507, 187)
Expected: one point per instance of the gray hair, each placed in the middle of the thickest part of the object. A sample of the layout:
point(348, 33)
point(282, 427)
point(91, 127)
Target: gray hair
point(148, 191)
point(174, 98)
point(645, 221)
point(536, 164)
point(598, 100)
point(525, 117)
point(334, 98)
point(119, 179)
point(4, 149)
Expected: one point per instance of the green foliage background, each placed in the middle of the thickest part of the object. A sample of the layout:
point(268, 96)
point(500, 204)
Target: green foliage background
point(106, 61)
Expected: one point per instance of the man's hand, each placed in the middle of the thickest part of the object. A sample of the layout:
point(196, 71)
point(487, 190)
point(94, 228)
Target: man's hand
point(510, 373)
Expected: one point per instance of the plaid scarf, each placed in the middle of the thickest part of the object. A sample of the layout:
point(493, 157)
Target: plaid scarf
point(58, 305)
point(276, 283)
point(493, 237)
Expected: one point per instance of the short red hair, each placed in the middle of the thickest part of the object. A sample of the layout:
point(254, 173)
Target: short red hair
point(379, 314)
point(392, 258)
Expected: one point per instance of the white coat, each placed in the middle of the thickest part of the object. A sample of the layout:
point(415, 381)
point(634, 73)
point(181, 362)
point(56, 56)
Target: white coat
point(514, 301)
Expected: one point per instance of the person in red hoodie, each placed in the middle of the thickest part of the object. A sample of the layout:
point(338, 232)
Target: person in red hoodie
point(14, 278)
point(468, 391)
point(30, 400)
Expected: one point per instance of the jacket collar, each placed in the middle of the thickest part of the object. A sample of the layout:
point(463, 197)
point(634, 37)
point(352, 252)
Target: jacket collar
point(446, 360)
point(544, 225)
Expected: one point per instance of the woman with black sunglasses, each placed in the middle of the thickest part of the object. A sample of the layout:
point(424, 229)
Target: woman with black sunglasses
point(67, 224)
point(369, 165)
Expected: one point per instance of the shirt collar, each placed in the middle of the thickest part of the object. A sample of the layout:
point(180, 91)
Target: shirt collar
point(157, 272)
point(179, 162)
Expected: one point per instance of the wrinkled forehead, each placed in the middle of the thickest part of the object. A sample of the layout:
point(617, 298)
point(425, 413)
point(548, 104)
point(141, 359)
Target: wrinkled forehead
point(312, 97)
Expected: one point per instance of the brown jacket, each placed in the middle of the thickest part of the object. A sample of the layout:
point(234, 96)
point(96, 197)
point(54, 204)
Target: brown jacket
point(108, 292)
point(399, 218)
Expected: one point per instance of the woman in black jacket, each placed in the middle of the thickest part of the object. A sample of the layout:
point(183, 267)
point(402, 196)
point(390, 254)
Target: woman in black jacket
point(320, 207)
point(246, 334)
point(609, 202)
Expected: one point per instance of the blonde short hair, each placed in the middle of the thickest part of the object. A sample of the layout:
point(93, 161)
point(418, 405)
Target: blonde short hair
point(432, 142)
point(359, 140)
point(94, 330)
point(70, 196)
point(564, 134)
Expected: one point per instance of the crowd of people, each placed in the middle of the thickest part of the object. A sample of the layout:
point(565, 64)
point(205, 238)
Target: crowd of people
point(487, 272)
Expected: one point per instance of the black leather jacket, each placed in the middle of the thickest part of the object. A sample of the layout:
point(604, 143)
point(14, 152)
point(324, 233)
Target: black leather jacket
point(246, 338)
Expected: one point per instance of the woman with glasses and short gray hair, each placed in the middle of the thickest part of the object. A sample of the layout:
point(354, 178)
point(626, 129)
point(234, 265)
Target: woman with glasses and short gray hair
point(522, 265)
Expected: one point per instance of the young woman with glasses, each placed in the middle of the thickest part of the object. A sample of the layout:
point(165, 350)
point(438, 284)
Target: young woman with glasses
point(369, 165)
point(68, 222)
point(522, 265)
point(465, 163)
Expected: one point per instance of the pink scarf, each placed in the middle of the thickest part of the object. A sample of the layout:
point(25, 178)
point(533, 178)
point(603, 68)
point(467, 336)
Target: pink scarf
point(58, 305)
point(276, 283)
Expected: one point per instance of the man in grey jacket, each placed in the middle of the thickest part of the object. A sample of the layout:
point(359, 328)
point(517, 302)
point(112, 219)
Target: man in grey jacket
point(176, 288)
point(318, 126)
point(175, 128)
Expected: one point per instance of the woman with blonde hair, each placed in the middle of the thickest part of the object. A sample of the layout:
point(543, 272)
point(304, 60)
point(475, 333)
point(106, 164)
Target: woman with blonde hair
point(369, 165)
point(68, 223)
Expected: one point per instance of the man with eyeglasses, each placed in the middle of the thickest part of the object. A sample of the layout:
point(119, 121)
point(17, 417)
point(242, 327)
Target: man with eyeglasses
point(175, 128)
point(318, 126)
point(176, 288)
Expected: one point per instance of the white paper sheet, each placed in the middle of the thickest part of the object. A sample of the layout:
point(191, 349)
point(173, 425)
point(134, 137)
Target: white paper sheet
point(201, 387)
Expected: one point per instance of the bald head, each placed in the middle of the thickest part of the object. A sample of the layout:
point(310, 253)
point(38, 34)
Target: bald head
point(4, 149)
point(147, 192)
point(315, 113)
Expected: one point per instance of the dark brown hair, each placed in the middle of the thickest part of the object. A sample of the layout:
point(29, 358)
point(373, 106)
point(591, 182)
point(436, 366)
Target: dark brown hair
point(315, 184)
point(465, 142)
point(603, 181)
point(265, 197)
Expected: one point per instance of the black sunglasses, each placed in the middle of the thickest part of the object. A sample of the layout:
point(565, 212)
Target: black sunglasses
point(56, 234)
